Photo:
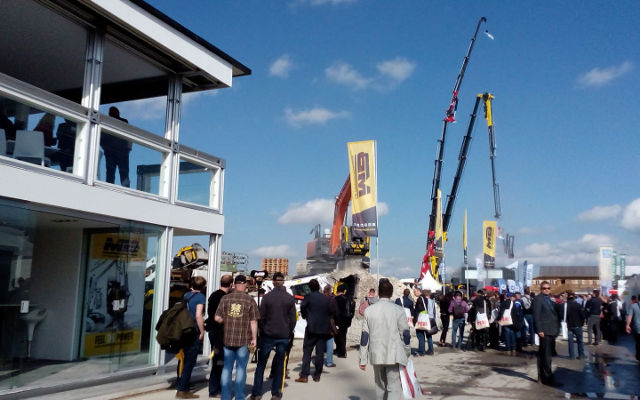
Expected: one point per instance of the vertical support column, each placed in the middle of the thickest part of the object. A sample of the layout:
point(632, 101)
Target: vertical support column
point(85, 161)
point(213, 276)
point(170, 166)
point(161, 291)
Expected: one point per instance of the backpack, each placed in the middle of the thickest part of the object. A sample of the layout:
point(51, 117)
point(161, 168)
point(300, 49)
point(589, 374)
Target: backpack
point(458, 310)
point(176, 327)
point(526, 302)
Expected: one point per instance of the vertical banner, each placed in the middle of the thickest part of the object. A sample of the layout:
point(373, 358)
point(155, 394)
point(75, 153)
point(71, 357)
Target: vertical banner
point(362, 171)
point(439, 242)
point(529, 279)
point(614, 269)
point(623, 265)
point(604, 264)
point(489, 243)
point(481, 272)
point(464, 238)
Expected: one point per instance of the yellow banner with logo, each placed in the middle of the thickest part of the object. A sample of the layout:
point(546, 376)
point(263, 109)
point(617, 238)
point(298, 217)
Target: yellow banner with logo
point(362, 172)
point(115, 246)
point(490, 230)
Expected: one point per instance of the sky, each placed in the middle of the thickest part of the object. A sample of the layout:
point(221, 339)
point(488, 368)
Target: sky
point(327, 72)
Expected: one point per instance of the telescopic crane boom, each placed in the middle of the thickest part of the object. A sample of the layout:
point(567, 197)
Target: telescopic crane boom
point(428, 261)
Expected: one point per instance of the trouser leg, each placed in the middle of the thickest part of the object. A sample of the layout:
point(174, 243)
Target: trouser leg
point(242, 359)
point(320, 344)
point(380, 380)
point(544, 358)
point(278, 367)
point(394, 386)
point(307, 349)
point(263, 357)
point(445, 328)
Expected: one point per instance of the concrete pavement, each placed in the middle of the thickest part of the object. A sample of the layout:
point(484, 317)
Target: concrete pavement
point(609, 372)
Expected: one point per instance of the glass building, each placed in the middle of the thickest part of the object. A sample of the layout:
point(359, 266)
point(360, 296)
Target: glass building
point(91, 203)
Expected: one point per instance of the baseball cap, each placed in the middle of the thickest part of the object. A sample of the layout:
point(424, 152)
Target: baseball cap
point(240, 279)
point(278, 276)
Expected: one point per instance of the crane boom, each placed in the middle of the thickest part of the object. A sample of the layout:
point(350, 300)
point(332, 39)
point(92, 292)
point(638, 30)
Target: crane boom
point(427, 264)
point(488, 114)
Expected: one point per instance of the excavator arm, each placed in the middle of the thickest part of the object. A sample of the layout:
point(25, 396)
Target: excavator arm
point(339, 213)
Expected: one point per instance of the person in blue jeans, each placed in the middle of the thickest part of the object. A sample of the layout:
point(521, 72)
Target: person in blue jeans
point(238, 313)
point(328, 361)
point(575, 320)
point(423, 302)
point(458, 308)
point(277, 322)
point(195, 300)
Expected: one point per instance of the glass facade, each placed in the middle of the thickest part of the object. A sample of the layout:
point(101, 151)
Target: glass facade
point(76, 295)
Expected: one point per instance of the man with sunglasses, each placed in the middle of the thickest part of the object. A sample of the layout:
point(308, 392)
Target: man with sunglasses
point(547, 325)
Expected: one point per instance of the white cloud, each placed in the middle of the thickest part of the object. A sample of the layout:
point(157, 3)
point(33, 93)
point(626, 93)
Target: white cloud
point(582, 251)
point(281, 66)
point(602, 76)
point(317, 211)
point(398, 69)
point(282, 250)
point(600, 213)
point(344, 74)
point(313, 116)
point(631, 216)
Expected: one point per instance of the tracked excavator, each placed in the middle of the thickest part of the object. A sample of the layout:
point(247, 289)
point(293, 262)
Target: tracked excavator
point(326, 251)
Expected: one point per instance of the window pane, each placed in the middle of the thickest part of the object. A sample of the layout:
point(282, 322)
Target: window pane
point(195, 183)
point(38, 137)
point(121, 158)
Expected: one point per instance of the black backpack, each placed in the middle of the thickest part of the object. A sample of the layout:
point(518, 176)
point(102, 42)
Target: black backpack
point(176, 327)
point(458, 310)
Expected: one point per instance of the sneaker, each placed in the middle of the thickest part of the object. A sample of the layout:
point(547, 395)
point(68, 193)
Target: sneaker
point(186, 395)
point(330, 365)
point(255, 397)
point(429, 353)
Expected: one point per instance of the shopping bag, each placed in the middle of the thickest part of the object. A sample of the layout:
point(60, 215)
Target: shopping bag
point(410, 385)
point(407, 312)
point(423, 323)
point(506, 320)
point(536, 340)
point(482, 322)
point(564, 330)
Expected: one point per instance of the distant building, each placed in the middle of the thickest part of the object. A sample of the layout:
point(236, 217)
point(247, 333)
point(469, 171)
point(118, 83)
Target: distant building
point(580, 280)
point(273, 265)
point(302, 267)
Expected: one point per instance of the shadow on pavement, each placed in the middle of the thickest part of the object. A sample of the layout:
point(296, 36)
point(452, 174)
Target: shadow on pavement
point(510, 372)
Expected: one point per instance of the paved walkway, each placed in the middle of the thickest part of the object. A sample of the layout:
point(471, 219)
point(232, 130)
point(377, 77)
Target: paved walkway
point(609, 372)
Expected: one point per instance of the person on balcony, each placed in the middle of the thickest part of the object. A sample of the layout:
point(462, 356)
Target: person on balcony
point(116, 153)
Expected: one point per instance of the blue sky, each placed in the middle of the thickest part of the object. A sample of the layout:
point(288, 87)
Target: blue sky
point(326, 72)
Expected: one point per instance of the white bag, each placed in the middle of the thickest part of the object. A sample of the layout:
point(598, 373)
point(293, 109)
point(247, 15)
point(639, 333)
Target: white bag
point(423, 323)
point(506, 317)
point(536, 339)
point(410, 385)
point(564, 330)
point(482, 322)
point(407, 312)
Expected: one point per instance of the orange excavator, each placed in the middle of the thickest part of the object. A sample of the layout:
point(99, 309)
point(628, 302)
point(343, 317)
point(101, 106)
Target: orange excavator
point(342, 241)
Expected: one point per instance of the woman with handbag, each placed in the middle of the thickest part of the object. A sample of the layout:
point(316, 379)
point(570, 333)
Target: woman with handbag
point(424, 311)
point(507, 316)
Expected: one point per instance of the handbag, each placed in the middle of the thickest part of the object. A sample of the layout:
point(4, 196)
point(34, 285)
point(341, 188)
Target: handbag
point(506, 317)
point(482, 322)
point(564, 329)
point(409, 380)
point(333, 327)
point(425, 323)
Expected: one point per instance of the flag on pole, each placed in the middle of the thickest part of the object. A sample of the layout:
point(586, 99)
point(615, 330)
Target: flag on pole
point(362, 171)
point(490, 229)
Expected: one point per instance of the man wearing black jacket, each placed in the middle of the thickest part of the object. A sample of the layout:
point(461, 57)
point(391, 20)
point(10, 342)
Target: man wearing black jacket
point(547, 325)
point(317, 310)
point(575, 320)
point(594, 309)
point(345, 307)
point(277, 322)
point(215, 335)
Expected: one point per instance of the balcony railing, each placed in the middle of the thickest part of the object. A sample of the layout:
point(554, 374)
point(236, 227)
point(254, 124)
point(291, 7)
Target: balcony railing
point(48, 134)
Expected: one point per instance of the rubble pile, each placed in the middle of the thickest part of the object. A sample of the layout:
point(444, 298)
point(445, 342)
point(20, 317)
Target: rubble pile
point(366, 281)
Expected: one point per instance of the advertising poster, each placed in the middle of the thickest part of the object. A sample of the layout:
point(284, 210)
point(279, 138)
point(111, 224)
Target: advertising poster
point(605, 259)
point(115, 274)
point(362, 172)
point(489, 231)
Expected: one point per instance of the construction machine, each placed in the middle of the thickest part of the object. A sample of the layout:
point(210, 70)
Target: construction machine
point(343, 241)
point(433, 257)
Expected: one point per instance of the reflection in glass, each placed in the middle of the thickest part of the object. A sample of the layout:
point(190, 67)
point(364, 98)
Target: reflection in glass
point(37, 137)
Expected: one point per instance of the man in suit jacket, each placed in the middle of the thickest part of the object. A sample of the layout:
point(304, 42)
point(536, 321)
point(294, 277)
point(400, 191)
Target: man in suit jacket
point(317, 310)
point(385, 343)
point(547, 324)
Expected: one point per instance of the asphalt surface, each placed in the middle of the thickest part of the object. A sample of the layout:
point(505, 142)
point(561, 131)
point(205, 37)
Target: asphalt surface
point(608, 372)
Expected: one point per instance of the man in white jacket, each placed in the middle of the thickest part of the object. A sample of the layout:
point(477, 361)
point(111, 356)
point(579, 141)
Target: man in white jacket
point(385, 343)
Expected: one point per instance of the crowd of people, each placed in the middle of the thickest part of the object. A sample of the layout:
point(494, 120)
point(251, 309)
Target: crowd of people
point(509, 322)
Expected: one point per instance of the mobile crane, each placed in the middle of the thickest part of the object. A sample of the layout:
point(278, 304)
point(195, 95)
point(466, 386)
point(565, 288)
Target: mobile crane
point(432, 259)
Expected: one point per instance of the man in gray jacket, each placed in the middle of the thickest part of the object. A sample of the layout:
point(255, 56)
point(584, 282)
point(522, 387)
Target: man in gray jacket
point(385, 343)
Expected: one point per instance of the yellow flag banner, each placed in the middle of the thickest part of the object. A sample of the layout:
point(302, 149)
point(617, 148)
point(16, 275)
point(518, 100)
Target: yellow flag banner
point(438, 247)
point(490, 229)
point(362, 171)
